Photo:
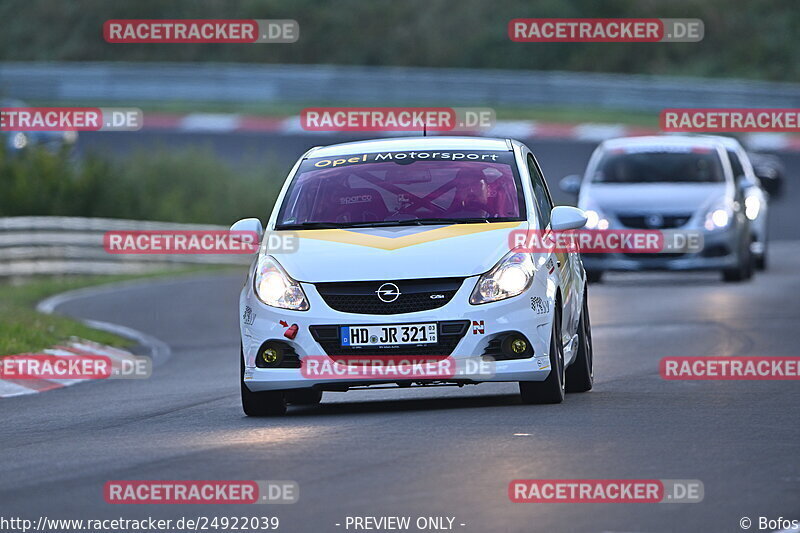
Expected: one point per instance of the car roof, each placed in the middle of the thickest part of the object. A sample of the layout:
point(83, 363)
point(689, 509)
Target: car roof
point(395, 144)
point(656, 141)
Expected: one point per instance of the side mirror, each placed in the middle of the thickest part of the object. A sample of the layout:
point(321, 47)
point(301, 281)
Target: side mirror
point(252, 225)
point(564, 217)
point(770, 181)
point(571, 184)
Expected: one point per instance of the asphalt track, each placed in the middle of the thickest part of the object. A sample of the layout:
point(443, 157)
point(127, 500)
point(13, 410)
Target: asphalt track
point(442, 451)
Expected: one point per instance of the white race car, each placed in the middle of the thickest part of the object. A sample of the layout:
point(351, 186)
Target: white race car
point(404, 251)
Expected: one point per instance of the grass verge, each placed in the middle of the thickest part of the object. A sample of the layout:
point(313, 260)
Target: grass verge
point(24, 330)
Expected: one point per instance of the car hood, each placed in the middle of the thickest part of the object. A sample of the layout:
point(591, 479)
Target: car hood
point(650, 197)
point(407, 252)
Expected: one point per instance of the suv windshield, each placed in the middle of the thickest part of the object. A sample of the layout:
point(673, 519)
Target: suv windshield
point(686, 165)
point(403, 188)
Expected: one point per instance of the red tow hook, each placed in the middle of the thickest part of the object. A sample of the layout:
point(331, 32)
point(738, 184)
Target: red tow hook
point(291, 333)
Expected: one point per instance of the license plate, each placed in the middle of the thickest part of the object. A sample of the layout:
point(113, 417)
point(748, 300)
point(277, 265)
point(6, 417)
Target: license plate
point(388, 335)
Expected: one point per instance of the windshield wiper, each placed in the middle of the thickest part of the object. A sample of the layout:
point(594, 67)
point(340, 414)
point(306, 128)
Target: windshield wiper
point(308, 225)
point(434, 221)
point(341, 225)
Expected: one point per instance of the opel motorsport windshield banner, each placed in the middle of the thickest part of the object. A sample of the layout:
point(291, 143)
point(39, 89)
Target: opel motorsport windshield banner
point(408, 157)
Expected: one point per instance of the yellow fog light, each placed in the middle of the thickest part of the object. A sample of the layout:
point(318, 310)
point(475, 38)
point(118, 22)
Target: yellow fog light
point(270, 355)
point(519, 346)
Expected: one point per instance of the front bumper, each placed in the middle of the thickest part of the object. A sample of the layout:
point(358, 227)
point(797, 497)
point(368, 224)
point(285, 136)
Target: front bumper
point(486, 322)
point(720, 251)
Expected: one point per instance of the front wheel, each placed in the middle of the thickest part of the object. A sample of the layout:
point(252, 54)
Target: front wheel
point(743, 269)
point(551, 390)
point(580, 374)
point(761, 260)
point(265, 403)
point(594, 276)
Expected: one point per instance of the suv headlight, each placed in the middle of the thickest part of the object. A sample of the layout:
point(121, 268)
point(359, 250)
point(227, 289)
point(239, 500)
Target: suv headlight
point(595, 218)
point(718, 217)
point(511, 276)
point(274, 287)
point(752, 206)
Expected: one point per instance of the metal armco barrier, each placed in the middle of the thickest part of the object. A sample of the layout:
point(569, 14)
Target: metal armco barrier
point(74, 245)
point(132, 83)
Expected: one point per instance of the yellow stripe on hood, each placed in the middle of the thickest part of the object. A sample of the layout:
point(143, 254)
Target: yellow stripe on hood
point(395, 243)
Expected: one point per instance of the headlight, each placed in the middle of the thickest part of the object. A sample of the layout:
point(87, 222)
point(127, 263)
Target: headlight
point(511, 276)
point(595, 219)
point(752, 206)
point(717, 218)
point(274, 287)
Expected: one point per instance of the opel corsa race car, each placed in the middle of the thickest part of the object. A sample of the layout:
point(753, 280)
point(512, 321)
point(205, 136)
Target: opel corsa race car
point(403, 250)
point(669, 183)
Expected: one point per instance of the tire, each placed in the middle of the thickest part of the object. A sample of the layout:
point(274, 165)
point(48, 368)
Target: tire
point(594, 276)
point(303, 396)
point(551, 390)
point(761, 260)
point(744, 268)
point(580, 374)
point(266, 403)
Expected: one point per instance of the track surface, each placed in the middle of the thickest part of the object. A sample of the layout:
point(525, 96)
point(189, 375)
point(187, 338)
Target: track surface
point(443, 451)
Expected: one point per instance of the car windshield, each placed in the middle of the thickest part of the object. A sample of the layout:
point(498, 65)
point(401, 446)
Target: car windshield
point(685, 165)
point(402, 188)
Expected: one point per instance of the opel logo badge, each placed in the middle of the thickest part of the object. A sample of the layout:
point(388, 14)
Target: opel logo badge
point(388, 292)
point(654, 221)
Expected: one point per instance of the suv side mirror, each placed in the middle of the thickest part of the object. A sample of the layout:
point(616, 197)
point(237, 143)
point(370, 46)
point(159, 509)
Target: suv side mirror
point(571, 184)
point(252, 225)
point(564, 217)
point(770, 181)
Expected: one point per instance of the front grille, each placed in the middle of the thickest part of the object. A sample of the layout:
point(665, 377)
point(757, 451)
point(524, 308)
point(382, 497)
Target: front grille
point(362, 296)
point(662, 222)
point(450, 333)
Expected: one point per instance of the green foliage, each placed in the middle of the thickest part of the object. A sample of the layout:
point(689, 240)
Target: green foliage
point(189, 185)
point(745, 39)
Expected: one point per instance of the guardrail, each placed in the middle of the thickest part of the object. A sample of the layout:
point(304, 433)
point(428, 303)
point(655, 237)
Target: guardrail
point(135, 83)
point(74, 245)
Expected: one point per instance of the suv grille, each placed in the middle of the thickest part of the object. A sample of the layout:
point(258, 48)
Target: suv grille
point(362, 296)
point(662, 221)
point(450, 333)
